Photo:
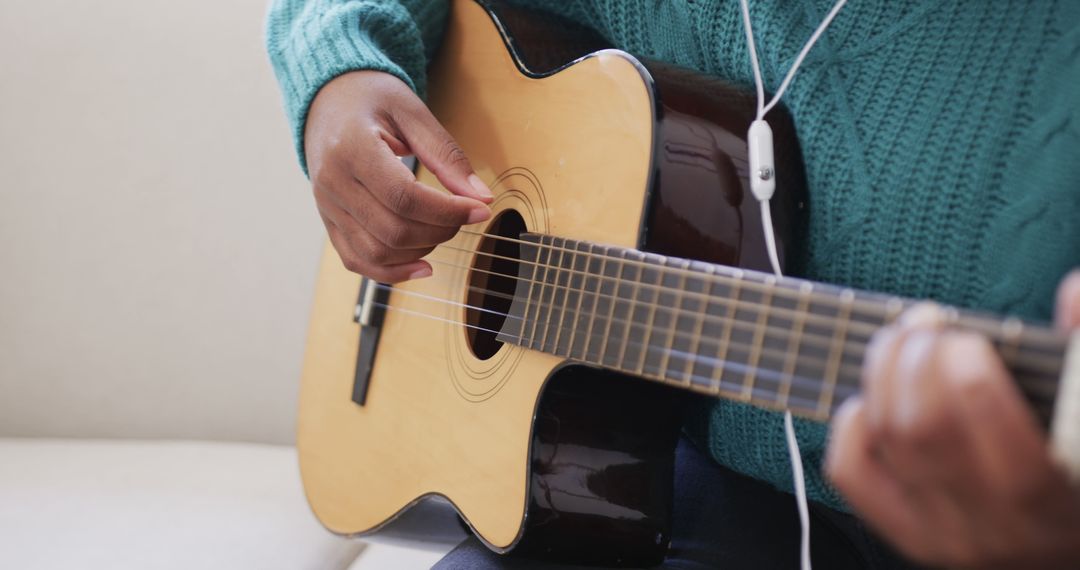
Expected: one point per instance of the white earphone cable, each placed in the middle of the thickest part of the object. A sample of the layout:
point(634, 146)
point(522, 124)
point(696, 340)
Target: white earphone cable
point(770, 238)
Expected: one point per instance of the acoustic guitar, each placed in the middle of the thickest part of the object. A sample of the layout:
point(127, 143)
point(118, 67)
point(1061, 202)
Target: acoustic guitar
point(537, 379)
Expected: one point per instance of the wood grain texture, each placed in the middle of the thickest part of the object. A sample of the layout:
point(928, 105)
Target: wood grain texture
point(437, 419)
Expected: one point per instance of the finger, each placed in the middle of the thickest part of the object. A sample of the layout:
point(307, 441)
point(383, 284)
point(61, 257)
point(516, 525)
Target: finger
point(366, 246)
point(386, 226)
point(377, 253)
point(877, 371)
point(1005, 435)
point(921, 438)
point(439, 152)
point(395, 187)
point(851, 465)
point(883, 357)
point(356, 262)
point(1067, 311)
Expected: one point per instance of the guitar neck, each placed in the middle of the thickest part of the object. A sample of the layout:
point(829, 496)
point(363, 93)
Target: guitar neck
point(779, 343)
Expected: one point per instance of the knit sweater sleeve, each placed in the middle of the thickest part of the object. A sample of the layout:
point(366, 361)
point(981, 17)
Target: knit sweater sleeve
point(311, 42)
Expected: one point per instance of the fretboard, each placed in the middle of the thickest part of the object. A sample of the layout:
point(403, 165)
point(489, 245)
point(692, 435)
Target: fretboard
point(743, 335)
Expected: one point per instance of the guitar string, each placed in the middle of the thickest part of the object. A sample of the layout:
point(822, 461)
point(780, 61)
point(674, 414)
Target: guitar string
point(808, 359)
point(867, 328)
point(1041, 388)
point(1018, 360)
point(820, 362)
point(713, 386)
point(824, 341)
point(872, 309)
point(869, 309)
point(716, 386)
point(821, 319)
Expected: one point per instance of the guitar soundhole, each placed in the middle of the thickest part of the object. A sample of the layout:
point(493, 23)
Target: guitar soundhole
point(492, 283)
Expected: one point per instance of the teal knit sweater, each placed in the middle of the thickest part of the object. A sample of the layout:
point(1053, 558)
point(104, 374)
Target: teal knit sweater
point(941, 141)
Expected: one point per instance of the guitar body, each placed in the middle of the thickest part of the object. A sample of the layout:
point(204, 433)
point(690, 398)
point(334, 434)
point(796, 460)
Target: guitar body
point(532, 451)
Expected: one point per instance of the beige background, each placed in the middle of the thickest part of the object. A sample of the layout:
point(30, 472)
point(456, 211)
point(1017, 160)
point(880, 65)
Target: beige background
point(157, 240)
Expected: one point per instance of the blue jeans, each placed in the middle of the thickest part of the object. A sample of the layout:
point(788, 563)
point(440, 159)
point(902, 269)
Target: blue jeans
point(726, 520)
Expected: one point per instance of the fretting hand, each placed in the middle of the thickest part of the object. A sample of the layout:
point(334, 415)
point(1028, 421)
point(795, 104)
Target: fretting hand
point(941, 455)
point(379, 218)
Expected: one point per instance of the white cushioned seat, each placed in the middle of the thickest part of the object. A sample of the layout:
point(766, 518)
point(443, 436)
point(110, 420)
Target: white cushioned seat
point(166, 505)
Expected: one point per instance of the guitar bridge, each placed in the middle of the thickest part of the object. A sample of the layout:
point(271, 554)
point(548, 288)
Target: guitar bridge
point(369, 313)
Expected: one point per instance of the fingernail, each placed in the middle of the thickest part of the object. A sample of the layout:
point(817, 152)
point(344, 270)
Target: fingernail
point(478, 215)
point(481, 189)
point(923, 315)
point(420, 273)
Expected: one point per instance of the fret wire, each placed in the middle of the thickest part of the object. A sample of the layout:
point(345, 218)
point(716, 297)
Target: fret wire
point(528, 305)
point(611, 309)
point(562, 309)
point(781, 356)
point(650, 320)
point(767, 374)
point(874, 308)
point(666, 358)
point(577, 312)
point(865, 329)
point(1021, 360)
point(1042, 406)
point(725, 338)
point(1011, 331)
point(467, 325)
point(634, 286)
point(793, 343)
point(759, 333)
point(760, 396)
point(890, 309)
point(546, 306)
point(778, 357)
point(1044, 390)
point(894, 307)
point(761, 393)
point(554, 286)
point(698, 328)
point(596, 301)
point(832, 369)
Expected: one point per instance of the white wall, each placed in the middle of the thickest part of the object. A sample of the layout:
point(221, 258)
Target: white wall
point(157, 241)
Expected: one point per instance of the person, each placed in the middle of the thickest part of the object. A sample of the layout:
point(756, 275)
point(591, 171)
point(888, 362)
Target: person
point(939, 139)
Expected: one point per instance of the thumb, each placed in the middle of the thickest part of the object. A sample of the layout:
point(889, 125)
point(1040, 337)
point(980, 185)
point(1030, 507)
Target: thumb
point(1067, 313)
point(441, 154)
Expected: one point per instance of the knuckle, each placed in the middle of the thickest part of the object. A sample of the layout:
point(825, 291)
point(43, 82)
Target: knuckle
point(452, 154)
point(379, 254)
point(352, 263)
point(921, 432)
point(400, 197)
point(336, 146)
point(360, 212)
point(322, 177)
point(398, 234)
point(331, 146)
